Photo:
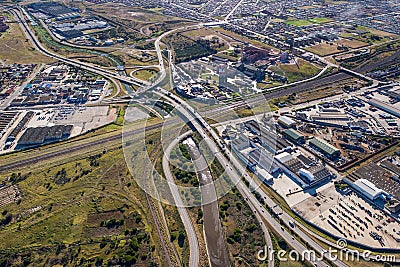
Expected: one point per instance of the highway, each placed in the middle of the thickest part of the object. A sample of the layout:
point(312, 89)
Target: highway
point(36, 43)
point(160, 58)
point(232, 168)
point(191, 234)
point(73, 148)
point(117, 136)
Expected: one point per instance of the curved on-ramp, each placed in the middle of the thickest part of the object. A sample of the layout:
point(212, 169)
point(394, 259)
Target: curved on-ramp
point(191, 234)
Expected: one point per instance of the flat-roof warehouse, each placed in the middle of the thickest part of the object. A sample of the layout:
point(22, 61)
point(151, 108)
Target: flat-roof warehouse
point(286, 122)
point(44, 135)
point(368, 189)
point(385, 107)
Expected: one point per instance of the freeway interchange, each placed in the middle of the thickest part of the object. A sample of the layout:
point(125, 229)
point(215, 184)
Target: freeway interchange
point(233, 168)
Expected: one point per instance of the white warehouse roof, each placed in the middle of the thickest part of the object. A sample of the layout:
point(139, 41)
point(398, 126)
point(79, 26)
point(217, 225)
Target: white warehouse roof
point(284, 157)
point(307, 174)
point(288, 122)
point(368, 189)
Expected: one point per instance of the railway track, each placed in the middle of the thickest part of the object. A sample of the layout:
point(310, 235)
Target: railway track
point(66, 151)
point(161, 233)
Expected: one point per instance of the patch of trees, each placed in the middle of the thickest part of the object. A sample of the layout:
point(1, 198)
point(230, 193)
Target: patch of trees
point(180, 236)
point(185, 151)
point(61, 177)
point(199, 219)
point(251, 228)
point(165, 106)
point(11, 258)
point(130, 253)
point(137, 217)
point(6, 219)
point(94, 160)
point(185, 176)
point(235, 237)
point(83, 173)
point(18, 177)
point(112, 223)
point(187, 49)
point(194, 50)
point(282, 244)
point(224, 206)
point(259, 197)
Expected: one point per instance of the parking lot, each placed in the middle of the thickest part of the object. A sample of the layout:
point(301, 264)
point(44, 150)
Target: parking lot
point(350, 217)
point(85, 118)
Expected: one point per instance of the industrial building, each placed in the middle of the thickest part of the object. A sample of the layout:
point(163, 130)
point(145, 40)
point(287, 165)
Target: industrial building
point(272, 141)
point(53, 10)
point(240, 143)
point(256, 145)
point(43, 135)
point(330, 118)
point(254, 73)
point(362, 125)
point(253, 127)
point(294, 136)
point(59, 84)
point(369, 190)
point(258, 161)
point(75, 29)
point(325, 148)
point(19, 128)
point(305, 174)
point(385, 107)
point(7, 118)
point(286, 122)
point(382, 176)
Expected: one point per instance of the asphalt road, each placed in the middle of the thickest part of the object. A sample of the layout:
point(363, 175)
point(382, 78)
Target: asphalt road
point(191, 234)
point(233, 167)
point(74, 148)
point(36, 43)
point(244, 190)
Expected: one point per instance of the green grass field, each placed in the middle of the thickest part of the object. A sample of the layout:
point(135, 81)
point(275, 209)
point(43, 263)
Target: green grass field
point(298, 22)
point(144, 74)
point(296, 72)
point(303, 22)
point(320, 20)
point(76, 209)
